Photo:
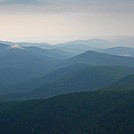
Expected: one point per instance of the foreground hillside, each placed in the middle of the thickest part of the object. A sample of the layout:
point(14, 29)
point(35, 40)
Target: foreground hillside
point(101, 112)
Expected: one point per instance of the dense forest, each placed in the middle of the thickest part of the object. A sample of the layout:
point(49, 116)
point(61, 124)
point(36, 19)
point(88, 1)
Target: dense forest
point(107, 111)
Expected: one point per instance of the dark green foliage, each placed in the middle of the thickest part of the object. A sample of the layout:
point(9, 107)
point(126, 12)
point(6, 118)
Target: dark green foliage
point(99, 112)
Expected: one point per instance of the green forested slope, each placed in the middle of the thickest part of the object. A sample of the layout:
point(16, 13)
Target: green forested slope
point(99, 112)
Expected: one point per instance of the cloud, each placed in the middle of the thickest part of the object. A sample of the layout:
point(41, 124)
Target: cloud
point(19, 1)
point(69, 2)
point(70, 5)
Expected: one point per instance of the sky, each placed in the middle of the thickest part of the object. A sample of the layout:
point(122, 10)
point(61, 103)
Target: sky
point(64, 20)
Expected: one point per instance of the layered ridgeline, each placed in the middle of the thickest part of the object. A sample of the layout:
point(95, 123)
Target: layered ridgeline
point(122, 51)
point(53, 53)
point(105, 111)
point(101, 111)
point(124, 82)
point(20, 68)
point(97, 58)
point(18, 64)
point(76, 78)
point(75, 47)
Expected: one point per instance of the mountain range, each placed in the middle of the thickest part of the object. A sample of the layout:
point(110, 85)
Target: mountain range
point(78, 87)
point(48, 72)
point(75, 78)
point(122, 51)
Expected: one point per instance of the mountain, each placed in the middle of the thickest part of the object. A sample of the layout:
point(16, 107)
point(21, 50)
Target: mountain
point(21, 58)
point(92, 43)
point(80, 46)
point(125, 41)
point(18, 64)
point(74, 47)
point(84, 80)
point(97, 58)
point(33, 62)
point(28, 44)
point(71, 79)
point(10, 76)
point(43, 45)
point(53, 53)
point(98, 112)
point(127, 81)
point(3, 46)
point(26, 74)
point(101, 43)
point(122, 51)
point(6, 42)
point(31, 84)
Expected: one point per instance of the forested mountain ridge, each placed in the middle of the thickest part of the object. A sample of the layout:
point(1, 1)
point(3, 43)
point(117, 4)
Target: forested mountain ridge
point(98, 112)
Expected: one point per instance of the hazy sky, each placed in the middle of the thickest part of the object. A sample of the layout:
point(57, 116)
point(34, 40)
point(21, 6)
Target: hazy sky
point(44, 20)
